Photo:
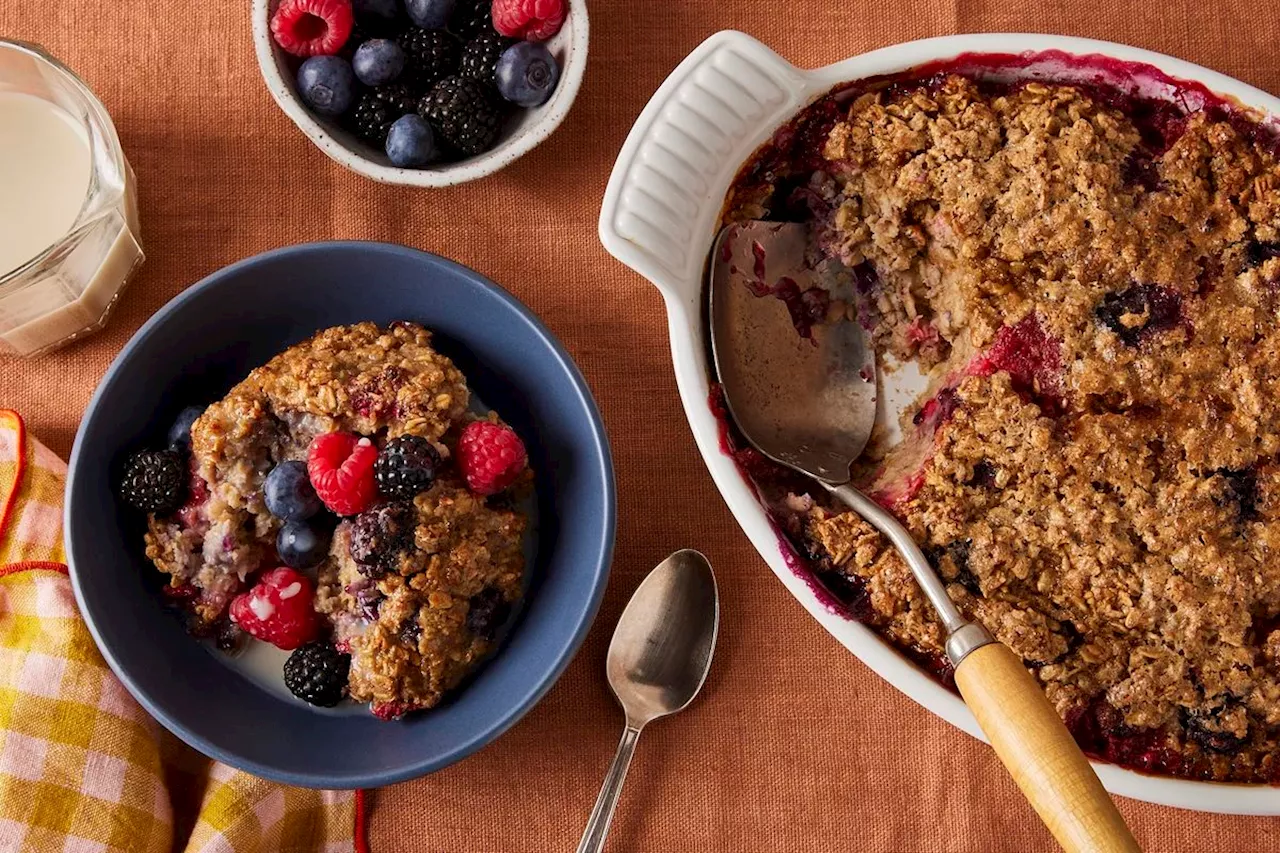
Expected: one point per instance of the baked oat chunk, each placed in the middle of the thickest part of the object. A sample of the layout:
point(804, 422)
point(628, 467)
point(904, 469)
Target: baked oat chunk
point(360, 378)
point(406, 612)
point(1097, 294)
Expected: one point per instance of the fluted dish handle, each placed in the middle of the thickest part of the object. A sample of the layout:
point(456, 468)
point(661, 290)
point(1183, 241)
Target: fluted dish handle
point(717, 107)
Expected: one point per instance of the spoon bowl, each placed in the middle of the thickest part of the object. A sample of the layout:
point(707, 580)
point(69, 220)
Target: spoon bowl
point(804, 392)
point(661, 650)
point(658, 660)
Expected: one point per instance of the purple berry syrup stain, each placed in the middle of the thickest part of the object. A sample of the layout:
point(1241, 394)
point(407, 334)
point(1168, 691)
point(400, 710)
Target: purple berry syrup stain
point(807, 308)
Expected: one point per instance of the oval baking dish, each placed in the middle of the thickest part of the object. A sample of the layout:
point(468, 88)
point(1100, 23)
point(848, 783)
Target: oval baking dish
point(659, 215)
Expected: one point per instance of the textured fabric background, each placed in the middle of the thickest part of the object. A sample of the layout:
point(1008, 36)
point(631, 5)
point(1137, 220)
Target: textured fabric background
point(795, 745)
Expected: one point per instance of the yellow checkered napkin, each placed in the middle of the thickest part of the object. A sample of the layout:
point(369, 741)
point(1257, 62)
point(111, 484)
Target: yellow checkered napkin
point(83, 769)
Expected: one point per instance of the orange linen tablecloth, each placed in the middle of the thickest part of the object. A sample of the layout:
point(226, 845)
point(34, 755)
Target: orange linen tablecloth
point(795, 745)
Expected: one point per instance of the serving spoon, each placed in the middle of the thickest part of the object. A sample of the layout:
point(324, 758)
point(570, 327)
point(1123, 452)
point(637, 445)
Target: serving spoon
point(805, 396)
point(658, 659)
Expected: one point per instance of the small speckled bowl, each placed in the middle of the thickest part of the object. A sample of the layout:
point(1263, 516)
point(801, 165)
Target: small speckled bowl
point(524, 130)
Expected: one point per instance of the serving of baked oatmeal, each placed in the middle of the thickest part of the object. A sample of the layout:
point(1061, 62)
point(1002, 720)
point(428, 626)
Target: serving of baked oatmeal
point(1090, 278)
point(344, 502)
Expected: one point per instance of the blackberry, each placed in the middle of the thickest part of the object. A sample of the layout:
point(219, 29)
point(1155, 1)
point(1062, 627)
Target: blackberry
point(380, 535)
point(398, 95)
point(472, 17)
point(376, 111)
point(154, 481)
point(488, 610)
point(430, 56)
point(480, 56)
point(317, 673)
point(406, 467)
point(464, 113)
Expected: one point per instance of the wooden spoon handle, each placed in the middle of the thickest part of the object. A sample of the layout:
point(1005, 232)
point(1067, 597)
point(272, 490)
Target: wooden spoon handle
point(1040, 753)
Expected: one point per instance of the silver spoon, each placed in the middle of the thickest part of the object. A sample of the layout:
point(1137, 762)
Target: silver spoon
point(809, 402)
point(658, 659)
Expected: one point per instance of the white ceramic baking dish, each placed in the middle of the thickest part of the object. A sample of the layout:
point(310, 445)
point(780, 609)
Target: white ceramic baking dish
point(659, 214)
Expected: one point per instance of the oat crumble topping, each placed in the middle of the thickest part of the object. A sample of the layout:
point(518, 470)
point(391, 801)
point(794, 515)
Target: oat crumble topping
point(1097, 297)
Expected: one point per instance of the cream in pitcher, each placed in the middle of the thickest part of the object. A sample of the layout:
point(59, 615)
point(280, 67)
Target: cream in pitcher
point(68, 214)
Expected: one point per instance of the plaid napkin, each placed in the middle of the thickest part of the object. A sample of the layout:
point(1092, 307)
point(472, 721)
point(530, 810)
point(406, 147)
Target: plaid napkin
point(83, 769)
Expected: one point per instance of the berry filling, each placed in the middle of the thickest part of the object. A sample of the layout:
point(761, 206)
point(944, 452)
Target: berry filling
point(1101, 733)
point(1258, 252)
point(1033, 359)
point(1240, 490)
point(1139, 312)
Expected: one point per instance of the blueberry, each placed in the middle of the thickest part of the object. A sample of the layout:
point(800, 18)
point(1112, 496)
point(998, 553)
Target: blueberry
point(300, 545)
point(288, 493)
point(487, 610)
point(386, 9)
point(430, 14)
point(1161, 306)
point(180, 432)
point(327, 84)
point(410, 142)
point(527, 74)
point(378, 61)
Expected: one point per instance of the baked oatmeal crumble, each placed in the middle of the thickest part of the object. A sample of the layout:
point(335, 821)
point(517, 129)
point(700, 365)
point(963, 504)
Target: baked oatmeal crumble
point(420, 614)
point(422, 639)
point(1097, 298)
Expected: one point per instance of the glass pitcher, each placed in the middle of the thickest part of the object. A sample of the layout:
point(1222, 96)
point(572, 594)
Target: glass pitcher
point(68, 210)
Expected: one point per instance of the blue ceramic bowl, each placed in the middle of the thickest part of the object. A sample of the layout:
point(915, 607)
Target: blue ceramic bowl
point(206, 340)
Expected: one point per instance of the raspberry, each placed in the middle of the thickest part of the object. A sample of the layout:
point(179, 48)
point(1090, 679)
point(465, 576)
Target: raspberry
point(278, 609)
point(491, 457)
point(387, 711)
point(341, 469)
point(312, 27)
point(534, 20)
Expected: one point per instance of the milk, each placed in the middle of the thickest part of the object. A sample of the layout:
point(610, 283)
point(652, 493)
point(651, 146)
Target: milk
point(47, 177)
point(44, 176)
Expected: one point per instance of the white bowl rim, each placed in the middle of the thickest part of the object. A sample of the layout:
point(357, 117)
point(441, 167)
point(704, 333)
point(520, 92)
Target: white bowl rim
point(689, 353)
point(282, 92)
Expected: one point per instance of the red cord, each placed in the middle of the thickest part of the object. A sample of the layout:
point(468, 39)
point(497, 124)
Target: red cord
point(33, 566)
point(362, 824)
point(12, 498)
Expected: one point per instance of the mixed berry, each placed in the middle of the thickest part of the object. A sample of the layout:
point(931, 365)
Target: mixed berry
point(154, 481)
point(491, 456)
point(423, 81)
point(278, 609)
point(317, 673)
point(371, 482)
